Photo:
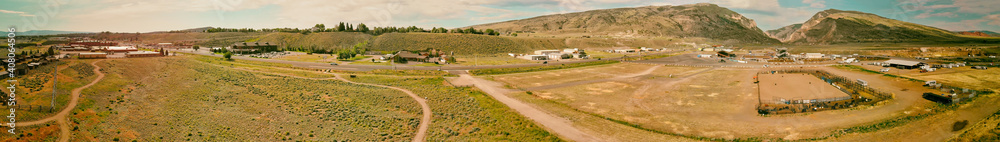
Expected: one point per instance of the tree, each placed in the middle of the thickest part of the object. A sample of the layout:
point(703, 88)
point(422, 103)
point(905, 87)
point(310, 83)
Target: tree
point(320, 26)
point(195, 47)
point(491, 32)
point(341, 28)
point(362, 28)
point(51, 51)
point(228, 55)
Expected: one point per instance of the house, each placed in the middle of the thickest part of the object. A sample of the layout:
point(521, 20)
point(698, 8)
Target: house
point(120, 49)
point(814, 55)
point(253, 47)
point(410, 56)
point(546, 52)
point(93, 55)
point(570, 51)
point(904, 64)
point(535, 57)
point(134, 54)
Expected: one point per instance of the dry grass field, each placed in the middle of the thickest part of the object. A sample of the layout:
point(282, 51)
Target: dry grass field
point(139, 100)
point(796, 87)
point(535, 79)
point(964, 76)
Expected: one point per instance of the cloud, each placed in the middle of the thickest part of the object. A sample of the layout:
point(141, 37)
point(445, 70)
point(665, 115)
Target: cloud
point(928, 15)
point(815, 3)
point(963, 6)
point(993, 19)
point(768, 14)
point(19, 13)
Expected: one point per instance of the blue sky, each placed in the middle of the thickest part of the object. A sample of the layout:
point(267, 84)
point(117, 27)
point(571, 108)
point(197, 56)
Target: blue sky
point(162, 15)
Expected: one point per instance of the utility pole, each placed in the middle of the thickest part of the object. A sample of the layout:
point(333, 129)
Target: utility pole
point(55, 72)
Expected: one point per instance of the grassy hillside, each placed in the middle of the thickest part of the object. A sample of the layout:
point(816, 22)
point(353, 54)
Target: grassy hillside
point(836, 26)
point(694, 20)
point(324, 41)
point(463, 43)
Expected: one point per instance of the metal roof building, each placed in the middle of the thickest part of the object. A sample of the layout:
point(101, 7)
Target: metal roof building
point(904, 64)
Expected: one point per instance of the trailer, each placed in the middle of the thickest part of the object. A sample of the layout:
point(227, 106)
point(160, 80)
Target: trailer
point(937, 98)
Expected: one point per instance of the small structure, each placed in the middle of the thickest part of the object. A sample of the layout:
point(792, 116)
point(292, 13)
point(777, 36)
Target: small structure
point(704, 56)
point(535, 57)
point(546, 52)
point(904, 64)
point(120, 49)
point(93, 55)
point(143, 54)
point(409, 56)
point(814, 55)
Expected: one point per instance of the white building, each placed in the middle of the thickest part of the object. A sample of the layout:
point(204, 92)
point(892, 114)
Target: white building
point(546, 52)
point(814, 55)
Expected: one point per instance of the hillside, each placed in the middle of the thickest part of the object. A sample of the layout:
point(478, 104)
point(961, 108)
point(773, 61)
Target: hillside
point(979, 33)
point(46, 32)
point(694, 20)
point(463, 43)
point(329, 41)
point(783, 32)
point(837, 26)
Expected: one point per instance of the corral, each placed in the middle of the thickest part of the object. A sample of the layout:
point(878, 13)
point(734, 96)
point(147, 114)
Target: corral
point(797, 87)
point(789, 95)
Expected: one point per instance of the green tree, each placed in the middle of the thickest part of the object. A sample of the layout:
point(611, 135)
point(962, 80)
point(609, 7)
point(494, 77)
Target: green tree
point(362, 28)
point(491, 32)
point(195, 47)
point(341, 27)
point(228, 55)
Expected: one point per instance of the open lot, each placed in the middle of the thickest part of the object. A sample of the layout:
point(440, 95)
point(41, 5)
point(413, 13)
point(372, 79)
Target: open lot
point(796, 87)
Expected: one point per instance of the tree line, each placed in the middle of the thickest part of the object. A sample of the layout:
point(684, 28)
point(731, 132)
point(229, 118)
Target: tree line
point(360, 27)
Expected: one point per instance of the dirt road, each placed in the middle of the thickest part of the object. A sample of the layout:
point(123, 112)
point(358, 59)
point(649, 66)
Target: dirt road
point(424, 122)
point(60, 117)
point(560, 126)
point(426, 109)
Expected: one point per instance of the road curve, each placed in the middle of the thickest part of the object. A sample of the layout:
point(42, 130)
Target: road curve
point(74, 99)
point(555, 124)
point(426, 109)
point(424, 122)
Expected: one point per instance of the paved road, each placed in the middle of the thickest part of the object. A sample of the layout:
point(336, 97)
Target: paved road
point(349, 67)
point(558, 125)
point(60, 117)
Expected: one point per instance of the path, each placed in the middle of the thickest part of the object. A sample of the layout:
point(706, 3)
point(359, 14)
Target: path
point(582, 82)
point(560, 126)
point(424, 122)
point(60, 117)
point(426, 109)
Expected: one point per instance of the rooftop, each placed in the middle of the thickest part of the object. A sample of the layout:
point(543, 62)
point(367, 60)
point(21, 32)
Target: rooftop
point(903, 62)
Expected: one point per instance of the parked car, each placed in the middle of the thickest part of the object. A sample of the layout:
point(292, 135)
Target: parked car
point(333, 64)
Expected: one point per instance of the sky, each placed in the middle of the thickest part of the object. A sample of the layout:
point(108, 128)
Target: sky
point(165, 15)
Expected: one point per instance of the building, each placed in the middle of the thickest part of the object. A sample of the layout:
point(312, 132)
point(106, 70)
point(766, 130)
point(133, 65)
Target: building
point(120, 49)
point(546, 52)
point(904, 64)
point(134, 54)
point(705, 56)
point(814, 55)
point(570, 51)
point(90, 43)
point(535, 57)
point(410, 56)
point(253, 47)
point(93, 55)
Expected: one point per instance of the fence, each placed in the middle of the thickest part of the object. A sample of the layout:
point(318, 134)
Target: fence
point(851, 87)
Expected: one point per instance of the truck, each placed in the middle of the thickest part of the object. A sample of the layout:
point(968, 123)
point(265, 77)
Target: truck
point(937, 98)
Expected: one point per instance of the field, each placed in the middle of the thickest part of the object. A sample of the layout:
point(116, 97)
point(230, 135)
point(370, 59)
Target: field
point(463, 44)
point(964, 76)
point(554, 77)
point(465, 114)
point(139, 101)
point(490, 60)
point(494, 71)
point(796, 87)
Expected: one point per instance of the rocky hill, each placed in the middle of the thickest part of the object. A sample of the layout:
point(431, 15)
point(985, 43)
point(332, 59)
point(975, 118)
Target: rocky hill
point(695, 21)
point(783, 32)
point(837, 26)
